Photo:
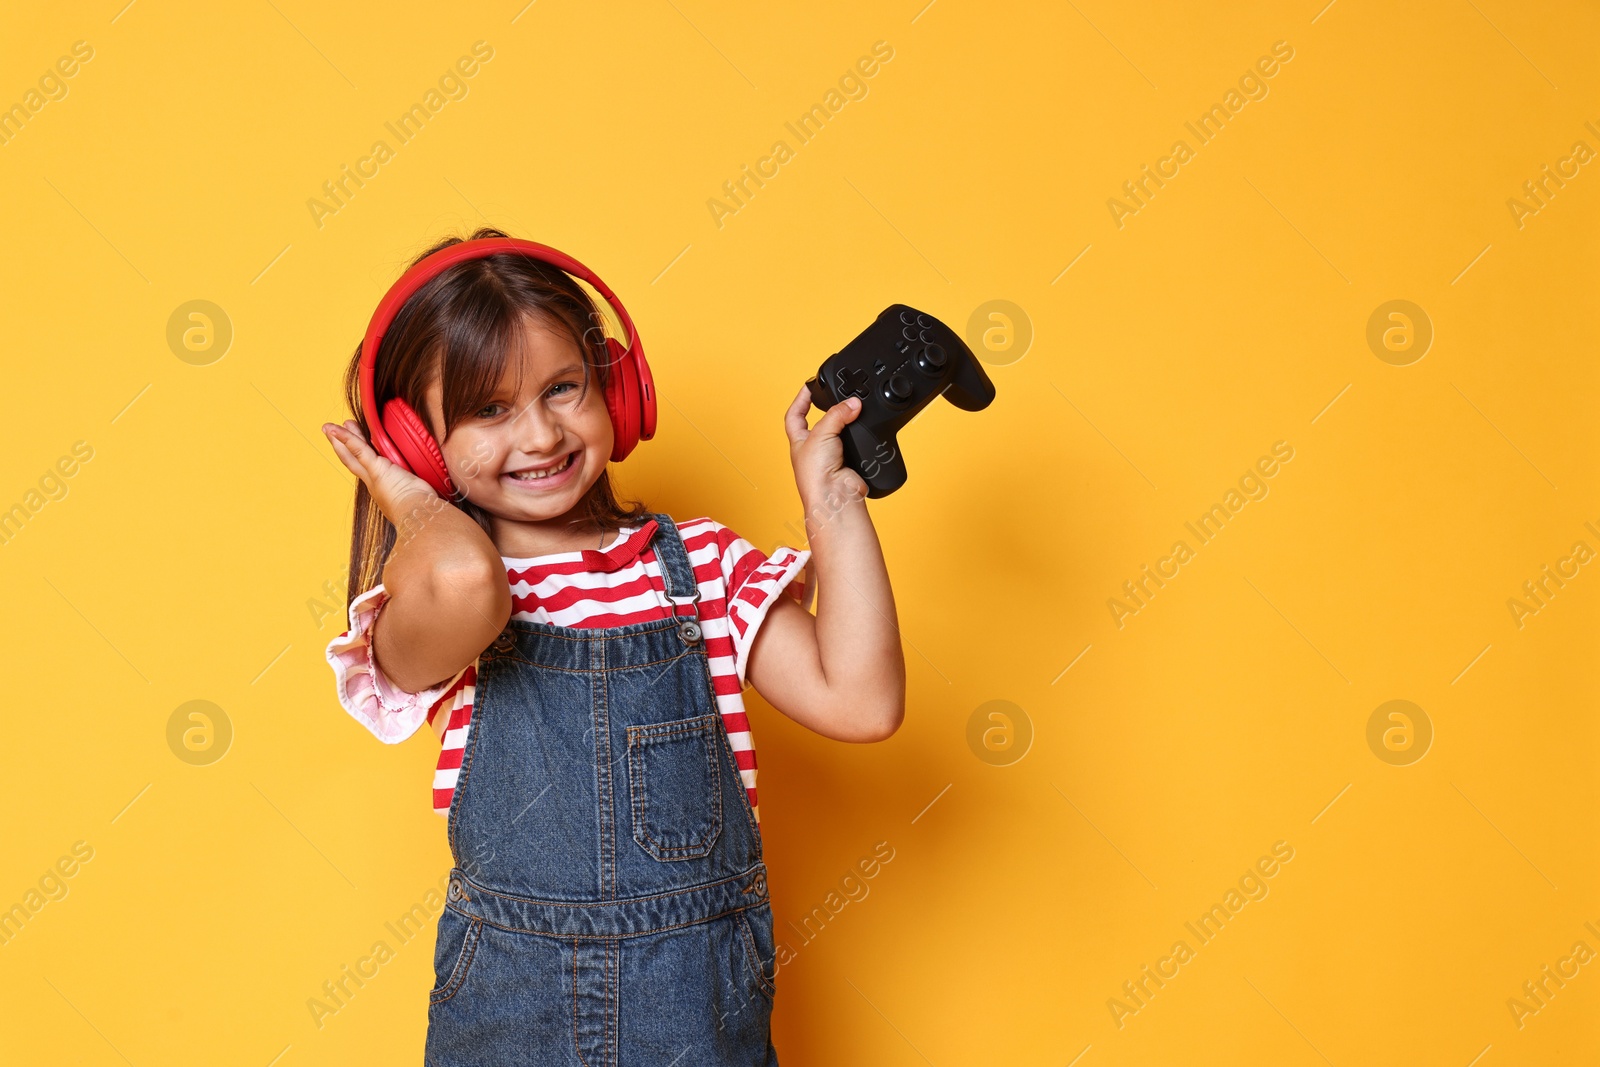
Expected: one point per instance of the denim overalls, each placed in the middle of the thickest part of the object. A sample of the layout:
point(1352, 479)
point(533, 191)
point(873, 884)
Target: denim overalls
point(608, 905)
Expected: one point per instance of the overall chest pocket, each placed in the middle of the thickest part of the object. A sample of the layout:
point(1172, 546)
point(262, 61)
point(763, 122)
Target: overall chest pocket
point(674, 782)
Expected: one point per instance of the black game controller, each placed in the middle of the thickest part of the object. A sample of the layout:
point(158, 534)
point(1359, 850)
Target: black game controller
point(896, 366)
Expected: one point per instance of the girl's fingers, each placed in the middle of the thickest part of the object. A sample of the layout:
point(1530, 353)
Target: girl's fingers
point(331, 433)
point(794, 420)
point(344, 456)
point(351, 450)
point(390, 485)
point(362, 448)
point(837, 416)
point(353, 439)
point(833, 420)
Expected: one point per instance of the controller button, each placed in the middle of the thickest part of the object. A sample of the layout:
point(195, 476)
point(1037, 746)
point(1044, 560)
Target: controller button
point(898, 389)
point(909, 333)
point(926, 337)
point(852, 381)
point(902, 346)
point(907, 318)
point(932, 359)
point(925, 322)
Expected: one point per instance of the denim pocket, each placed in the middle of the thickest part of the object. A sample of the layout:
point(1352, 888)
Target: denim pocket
point(755, 928)
point(457, 943)
point(674, 783)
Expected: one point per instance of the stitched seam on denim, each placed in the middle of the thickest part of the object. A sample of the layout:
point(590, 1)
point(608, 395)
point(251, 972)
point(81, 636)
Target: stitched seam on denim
point(455, 964)
point(458, 977)
point(596, 670)
point(635, 795)
point(577, 1044)
point(674, 540)
point(614, 937)
point(480, 688)
point(611, 903)
point(640, 796)
point(753, 954)
point(613, 951)
point(600, 704)
point(654, 730)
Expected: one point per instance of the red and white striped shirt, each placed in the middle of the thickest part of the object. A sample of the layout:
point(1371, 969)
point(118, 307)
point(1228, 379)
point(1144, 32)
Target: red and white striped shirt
point(737, 581)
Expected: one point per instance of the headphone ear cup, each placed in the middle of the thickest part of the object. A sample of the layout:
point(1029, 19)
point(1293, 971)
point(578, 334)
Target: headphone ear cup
point(416, 445)
point(622, 399)
point(647, 393)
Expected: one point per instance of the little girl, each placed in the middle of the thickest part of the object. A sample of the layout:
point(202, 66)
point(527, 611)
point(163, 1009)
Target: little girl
point(582, 662)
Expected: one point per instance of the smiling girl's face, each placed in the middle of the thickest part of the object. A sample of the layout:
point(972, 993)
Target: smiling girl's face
point(529, 455)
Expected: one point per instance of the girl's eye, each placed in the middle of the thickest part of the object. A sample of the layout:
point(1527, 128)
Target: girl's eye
point(490, 411)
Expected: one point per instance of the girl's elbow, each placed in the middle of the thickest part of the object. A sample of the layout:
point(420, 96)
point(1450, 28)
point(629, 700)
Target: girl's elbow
point(887, 722)
point(865, 715)
point(892, 704)
point(477, 583)
point(895, 705)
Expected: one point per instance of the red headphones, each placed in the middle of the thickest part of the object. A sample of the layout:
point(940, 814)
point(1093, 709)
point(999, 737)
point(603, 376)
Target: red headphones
point(401, 435)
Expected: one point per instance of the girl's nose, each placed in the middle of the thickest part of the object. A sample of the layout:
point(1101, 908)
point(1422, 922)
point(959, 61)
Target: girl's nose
point(535, 432)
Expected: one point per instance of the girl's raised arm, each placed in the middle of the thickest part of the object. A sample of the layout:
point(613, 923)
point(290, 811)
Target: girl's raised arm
point(841, 673)
point(447, 591)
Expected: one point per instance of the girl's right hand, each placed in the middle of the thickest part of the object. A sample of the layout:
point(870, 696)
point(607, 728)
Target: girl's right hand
point(399, 494)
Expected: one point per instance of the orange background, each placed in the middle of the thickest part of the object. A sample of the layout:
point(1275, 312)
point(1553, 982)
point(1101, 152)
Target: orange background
point(1029, 881)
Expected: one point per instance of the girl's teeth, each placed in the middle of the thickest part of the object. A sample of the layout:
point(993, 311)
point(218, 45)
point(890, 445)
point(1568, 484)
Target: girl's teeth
point(544, 473)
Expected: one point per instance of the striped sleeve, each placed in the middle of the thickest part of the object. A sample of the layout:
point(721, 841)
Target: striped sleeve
point(451, 718)
point(753, 581)
point(391, 713)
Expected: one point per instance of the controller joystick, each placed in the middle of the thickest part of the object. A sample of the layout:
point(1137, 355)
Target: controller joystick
point(897, 366)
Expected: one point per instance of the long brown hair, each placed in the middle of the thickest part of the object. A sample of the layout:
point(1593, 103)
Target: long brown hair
point(460, 327)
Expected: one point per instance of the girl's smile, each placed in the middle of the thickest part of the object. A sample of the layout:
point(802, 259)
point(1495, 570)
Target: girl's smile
point(545, 477)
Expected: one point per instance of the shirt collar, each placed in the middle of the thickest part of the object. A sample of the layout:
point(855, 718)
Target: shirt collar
point(624, 552)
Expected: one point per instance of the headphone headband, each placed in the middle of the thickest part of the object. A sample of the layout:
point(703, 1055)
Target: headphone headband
point(431, 267)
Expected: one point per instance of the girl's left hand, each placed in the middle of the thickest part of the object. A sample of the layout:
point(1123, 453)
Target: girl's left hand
point(818, 454)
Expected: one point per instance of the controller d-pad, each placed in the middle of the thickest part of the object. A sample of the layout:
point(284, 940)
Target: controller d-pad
point(851, 381)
